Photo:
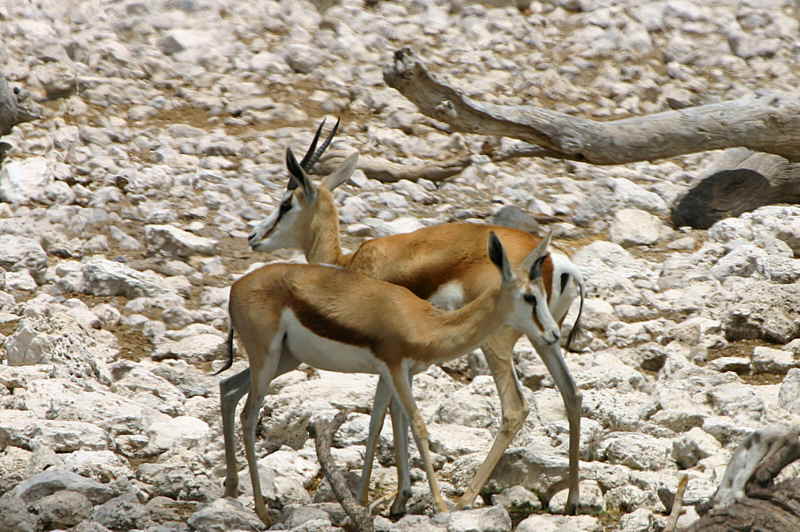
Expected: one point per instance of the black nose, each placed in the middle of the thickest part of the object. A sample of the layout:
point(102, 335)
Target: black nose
point(251, 237)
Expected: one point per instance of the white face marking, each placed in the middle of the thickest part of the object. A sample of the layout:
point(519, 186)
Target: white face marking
point(277, 231)
point(323, 353)
point(448, 296)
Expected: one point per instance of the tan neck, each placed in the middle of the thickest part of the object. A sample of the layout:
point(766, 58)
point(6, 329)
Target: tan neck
point(456, 332)
point(322, 244)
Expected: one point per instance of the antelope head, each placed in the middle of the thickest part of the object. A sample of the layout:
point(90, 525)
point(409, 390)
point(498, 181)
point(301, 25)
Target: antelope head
point(531, 310)
point(291, 225)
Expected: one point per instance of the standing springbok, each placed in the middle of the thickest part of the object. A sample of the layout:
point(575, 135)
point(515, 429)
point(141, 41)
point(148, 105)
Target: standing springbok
point(444, 264)
point(340, 320)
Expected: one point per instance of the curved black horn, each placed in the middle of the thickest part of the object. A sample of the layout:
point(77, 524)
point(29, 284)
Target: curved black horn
point(317, 154)
point(307, 158)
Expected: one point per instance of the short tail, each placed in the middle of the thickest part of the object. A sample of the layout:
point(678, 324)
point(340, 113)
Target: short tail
point(577, 325)
point(229, 362)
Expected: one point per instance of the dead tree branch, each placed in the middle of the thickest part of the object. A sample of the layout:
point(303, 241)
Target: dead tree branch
point(11, 112)
point(323, 432)
point(389, 172)
point(747, 497)
point(766, 122)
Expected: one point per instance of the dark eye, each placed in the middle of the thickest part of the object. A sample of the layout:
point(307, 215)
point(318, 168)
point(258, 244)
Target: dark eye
point(530, 299)
point(285, 206)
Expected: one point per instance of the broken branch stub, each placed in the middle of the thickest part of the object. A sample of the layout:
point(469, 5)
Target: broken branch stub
point(11, 112)
point(747, 498)
point(738, 181)
point(767, 122)
point(323, 432)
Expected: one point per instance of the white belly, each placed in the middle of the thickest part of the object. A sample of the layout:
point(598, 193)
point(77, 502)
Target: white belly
point(449, 296)
point(323, 353)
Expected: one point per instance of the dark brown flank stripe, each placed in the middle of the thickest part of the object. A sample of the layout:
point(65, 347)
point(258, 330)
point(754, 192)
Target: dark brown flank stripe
point(327, 327)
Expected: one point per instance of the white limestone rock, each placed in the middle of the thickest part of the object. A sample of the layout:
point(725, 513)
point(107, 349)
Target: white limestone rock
point(637, 451)
point(193, 349)
point(23, 254)
point(182, 431)
point(769, 360)
point(104, 277)
point(560, 523)
point(25, 180)
point(693, 446)
point(171, 241)
point(489, 519)
point(632, 227)
point(768, 312)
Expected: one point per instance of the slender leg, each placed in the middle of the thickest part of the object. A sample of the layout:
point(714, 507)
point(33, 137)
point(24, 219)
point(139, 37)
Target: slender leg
point(554, 361)
point(498, 350)
point(400, 379)
point(259, 384)
point(383, 394)
point(400, 430)
point(231, 390)
point(277, 360)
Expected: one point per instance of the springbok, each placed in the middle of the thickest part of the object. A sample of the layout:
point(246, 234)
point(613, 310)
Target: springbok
point(446, 265)
point(340, 320)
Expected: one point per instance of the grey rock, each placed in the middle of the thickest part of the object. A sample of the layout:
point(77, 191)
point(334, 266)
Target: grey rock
point(173, 242)
point(640, 520)
point(62, 509)
point(25, 180)
point(789, 393)
point(518, 500)
point(55, 480)
point(693, 446)
point(737, 401)
point(635, 227)
point(104, 277)
point(560, 523)
point(637, 451)
point(23, 254)
point(533, 468)
point(14, 515)
point(490, 519)
point(769, 360)
point(224, 514)
point(769, 311)
point(193, 349)
point(124, 512)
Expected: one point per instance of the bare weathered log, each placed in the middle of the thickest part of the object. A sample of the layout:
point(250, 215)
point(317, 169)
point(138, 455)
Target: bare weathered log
point(389, 172)
point(323, 432)
point(747, 498)
point(11, 112)
point(767, 122)
point(738, 181)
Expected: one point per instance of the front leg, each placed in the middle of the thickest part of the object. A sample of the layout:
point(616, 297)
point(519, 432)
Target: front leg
point(498, 349)
point(400, 379)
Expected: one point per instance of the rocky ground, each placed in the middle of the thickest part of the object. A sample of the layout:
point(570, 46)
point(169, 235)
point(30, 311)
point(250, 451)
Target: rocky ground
point(125, 211)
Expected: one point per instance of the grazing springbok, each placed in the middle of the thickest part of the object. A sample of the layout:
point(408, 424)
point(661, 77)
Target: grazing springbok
point(340, 320)
point(446, 265)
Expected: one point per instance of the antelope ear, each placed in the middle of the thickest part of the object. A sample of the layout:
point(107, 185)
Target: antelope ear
point(541, 251)
point(498, 257)
point(342, 174)
point(298, 177)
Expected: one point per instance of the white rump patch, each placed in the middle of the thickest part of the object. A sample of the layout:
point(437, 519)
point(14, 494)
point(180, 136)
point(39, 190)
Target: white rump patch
point(448, 296)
